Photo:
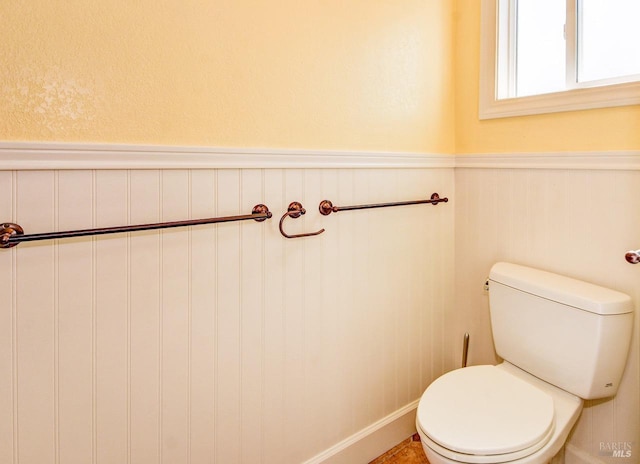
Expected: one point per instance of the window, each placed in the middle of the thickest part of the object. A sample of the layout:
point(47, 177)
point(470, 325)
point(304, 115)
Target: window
point(541, 56)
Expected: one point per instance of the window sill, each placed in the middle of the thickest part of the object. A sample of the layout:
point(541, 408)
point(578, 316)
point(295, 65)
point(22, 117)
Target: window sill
point(570, 100)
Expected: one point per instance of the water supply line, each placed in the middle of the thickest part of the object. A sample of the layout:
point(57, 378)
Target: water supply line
point(465, 349)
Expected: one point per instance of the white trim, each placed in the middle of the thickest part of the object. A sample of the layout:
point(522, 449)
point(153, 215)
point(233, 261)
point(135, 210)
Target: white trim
point(569, 100)
point(395, 419)
point(606, 160)
point(623, 94)
point(575, 455)
point(62, 155)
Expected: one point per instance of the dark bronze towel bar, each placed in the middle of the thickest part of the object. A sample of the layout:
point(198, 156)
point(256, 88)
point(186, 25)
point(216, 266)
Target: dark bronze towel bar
point(326, 207)
point(12, 234)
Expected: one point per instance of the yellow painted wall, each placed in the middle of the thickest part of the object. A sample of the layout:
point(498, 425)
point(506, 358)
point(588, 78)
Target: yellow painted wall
point(310, 74)
point(355, 75)
point(592, 130)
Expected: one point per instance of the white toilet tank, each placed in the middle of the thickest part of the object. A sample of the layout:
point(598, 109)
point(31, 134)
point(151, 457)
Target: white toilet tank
point(570, 333)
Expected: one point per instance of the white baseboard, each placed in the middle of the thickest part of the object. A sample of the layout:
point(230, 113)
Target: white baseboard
point(372, 441)
point(574, 455)
point(369, 443)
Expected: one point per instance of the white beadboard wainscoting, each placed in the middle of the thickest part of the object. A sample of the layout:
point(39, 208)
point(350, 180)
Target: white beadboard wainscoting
point(574, 221)
point(228, 343)
point(220, 343)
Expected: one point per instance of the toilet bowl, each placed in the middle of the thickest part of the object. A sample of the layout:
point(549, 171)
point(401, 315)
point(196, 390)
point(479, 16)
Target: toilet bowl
point(494, 414)
point(562, 341)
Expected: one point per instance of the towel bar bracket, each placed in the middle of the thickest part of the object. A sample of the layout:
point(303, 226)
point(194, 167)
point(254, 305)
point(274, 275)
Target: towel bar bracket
point(263, 211)
point(632, 256)
point(8, 230)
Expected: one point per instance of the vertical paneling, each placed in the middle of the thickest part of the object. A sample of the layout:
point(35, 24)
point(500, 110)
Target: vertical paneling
point(74, 360)
point(111, 344)
point(273, 399)
point(574, 222)
point(361, 287)
point(252, 293)
point(203, 311)
point(176, 311)
point(295, 329)
point(35, 319)
point(346, 394)
point(413, 243)
point(216, 343)
point(316, 330)
point(144, 318)
point(7, 326)
point(185, 345)
point(228, 349)
point(384, 226)
point(333, 317)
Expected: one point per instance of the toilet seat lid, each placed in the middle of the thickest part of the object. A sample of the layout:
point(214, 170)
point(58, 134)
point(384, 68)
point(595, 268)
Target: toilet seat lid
point(482, 410)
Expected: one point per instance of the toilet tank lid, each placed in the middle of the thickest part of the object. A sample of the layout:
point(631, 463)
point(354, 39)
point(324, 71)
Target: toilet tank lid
point(565, 290)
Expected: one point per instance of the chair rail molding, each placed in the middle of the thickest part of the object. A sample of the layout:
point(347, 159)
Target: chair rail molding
point(69, 155)
point(65, 155)
point(597, 160)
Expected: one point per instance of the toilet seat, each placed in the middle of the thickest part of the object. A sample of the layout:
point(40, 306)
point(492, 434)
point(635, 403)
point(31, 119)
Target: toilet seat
point(482, 414)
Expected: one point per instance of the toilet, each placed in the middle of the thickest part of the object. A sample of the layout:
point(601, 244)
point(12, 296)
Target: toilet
point(562, 341)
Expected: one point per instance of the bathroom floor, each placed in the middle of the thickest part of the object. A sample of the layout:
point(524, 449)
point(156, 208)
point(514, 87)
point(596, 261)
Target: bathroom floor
point(407, 452)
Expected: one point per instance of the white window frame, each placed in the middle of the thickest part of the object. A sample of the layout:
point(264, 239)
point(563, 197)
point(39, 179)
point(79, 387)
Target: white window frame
point(494, 105)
